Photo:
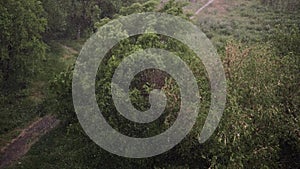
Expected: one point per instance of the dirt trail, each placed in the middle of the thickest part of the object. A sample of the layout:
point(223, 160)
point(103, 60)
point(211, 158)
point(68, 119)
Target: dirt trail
point(20, 146)
point(200, 9)
point(215, 7)
point(70, 50)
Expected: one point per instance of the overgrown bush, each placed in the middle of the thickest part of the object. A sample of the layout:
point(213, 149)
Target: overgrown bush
point(260, 125)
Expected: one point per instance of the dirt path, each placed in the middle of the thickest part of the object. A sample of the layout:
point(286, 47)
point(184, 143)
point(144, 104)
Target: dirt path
point(200, 9)
point(70, 50)
point(20, 146)
point(215, 7)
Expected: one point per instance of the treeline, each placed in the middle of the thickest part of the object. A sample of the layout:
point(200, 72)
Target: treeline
point(76, 18)
point(26, 27)
point(22, 25)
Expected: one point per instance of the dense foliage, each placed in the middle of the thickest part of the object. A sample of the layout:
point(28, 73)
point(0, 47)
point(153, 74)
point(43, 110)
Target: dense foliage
point(75, 18)
point(260, 124)
point(21, 26)
point(259, 48)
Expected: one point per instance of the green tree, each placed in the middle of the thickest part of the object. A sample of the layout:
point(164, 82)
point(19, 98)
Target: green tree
point(76, 18)
point(80, 16)
point(56, 18)
point(21, 26)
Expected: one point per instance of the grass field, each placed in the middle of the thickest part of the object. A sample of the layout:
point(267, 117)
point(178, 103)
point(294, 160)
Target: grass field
point(244, 21)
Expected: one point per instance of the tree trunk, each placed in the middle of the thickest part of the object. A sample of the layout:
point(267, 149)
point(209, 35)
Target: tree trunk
point(78, 35)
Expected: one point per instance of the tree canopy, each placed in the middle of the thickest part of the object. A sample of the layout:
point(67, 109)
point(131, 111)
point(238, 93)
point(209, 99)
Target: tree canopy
point(21, 26)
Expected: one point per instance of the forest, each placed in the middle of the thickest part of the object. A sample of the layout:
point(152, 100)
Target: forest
point(257, 42)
